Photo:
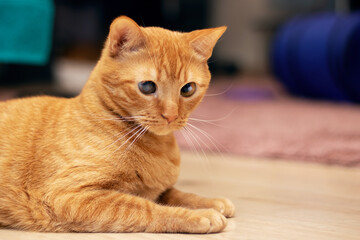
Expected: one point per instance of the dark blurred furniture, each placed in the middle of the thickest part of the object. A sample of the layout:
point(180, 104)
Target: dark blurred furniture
point(81, 28)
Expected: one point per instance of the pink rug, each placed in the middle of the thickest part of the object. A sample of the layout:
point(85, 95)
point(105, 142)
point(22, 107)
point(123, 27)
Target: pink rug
point(259, 120)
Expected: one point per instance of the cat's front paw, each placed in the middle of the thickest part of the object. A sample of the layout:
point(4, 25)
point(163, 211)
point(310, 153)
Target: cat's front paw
point(224, 206)
point(206, 221)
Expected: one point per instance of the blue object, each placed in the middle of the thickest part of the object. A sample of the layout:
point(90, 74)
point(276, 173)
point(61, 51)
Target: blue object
point(26, 31)
point(280, 60)
point(318, 56)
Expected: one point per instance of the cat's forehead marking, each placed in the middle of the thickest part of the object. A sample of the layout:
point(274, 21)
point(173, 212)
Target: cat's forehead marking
point(152, 72)
point(174, 68)
point(189, 76)
point(146, 73)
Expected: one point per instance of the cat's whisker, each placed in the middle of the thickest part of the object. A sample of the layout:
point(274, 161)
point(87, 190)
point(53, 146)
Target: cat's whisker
point(119, 119)
point(97, 116)
point(136, 129)
point(134, 134)
point(193, 148)
point(200, 140)
point(195, 137)
point(210, 138)
point(138, 137)
point(129, 117)
point(202, 121)
point(132, 118)
point(214, 120)
point(220, 93)
point(200, 153)
point(190, 143)
point(121, 137)
point(115, 119)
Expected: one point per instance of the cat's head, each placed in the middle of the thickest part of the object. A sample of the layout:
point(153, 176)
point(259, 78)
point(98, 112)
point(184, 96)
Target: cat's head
point(153, 75)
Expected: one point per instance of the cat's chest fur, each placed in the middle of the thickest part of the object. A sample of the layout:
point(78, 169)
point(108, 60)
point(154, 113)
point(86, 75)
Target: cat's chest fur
point(147, 169)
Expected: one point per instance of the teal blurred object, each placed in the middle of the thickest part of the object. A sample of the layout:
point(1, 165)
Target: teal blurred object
point(26, 28)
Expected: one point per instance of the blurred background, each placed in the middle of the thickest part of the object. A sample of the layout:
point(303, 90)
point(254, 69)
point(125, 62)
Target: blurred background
point(285, 74)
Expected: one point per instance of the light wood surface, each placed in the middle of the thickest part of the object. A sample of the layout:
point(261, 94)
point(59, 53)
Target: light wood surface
point(274, 200)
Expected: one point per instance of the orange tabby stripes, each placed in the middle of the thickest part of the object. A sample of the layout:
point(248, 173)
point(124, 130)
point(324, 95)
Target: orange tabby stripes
point(107, 160)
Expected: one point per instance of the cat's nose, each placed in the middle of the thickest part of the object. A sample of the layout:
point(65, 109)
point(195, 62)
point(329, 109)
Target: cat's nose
point(169, 117)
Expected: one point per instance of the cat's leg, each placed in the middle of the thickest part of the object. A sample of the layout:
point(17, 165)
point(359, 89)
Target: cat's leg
point(174, 197)
point(112, 211)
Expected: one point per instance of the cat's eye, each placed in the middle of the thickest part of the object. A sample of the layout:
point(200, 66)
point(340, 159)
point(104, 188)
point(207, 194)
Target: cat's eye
point(188, 89)
point(147, 87)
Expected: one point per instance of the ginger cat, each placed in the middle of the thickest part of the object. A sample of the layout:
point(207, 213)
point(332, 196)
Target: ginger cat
point(106, 160)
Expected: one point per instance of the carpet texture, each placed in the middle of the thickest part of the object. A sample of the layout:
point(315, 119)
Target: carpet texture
point(259, 120)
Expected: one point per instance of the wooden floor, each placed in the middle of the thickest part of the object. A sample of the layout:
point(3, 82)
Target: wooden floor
point(274, 200)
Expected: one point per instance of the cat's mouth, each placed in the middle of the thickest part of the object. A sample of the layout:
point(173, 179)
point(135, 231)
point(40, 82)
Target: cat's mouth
point(162, 129)
point(156, 127)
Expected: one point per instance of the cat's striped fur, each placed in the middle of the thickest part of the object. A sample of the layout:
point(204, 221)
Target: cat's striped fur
point(106, 161)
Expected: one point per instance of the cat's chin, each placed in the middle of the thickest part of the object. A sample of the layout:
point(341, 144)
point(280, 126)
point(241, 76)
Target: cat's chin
point(162, 131)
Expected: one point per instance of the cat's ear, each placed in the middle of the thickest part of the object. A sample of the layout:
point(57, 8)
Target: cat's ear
point(203, 41)
point(125, 35)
